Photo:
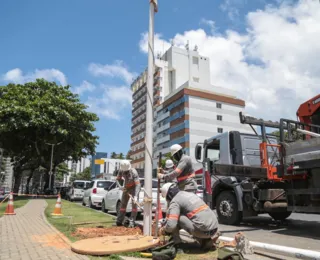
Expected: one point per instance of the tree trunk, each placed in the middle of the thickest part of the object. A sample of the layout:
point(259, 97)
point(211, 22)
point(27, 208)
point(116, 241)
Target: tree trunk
point(17, 180)
point(28, 180)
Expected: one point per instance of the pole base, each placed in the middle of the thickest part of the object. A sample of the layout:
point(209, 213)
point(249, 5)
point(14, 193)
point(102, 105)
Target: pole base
point(53, 214)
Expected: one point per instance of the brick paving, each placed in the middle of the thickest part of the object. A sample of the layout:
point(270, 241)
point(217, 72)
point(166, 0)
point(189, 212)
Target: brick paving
point(28, 236)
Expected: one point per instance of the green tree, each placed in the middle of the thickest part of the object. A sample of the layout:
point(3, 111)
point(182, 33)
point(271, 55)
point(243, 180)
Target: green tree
point(120, 156)
point(113, 155)
point(41, 112)
point(86, 174)
point(61, 170)
point(128, 155)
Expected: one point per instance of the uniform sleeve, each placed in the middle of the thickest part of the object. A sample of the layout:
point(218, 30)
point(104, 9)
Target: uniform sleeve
point(119, 176)
point(137, 184)
point(173, 215)
point(176, 172)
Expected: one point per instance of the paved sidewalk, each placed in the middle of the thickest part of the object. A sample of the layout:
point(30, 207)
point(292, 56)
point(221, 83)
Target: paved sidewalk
point(28, 236)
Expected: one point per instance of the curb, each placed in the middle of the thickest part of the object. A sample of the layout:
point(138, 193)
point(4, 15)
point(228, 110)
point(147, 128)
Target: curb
point(60, 234)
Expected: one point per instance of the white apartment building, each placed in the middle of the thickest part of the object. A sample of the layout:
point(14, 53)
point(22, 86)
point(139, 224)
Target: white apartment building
point(108, 168)
point(76, 167)
point(191, 110)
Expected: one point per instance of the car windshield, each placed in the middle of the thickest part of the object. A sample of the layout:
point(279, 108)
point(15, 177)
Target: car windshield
point(104, 184)
point(78, 185)
point(154, 184)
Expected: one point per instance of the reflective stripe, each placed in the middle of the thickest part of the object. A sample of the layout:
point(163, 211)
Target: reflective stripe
point(192, 175)
point(122, 210)
point(173, 216)
point(134, 210)
point(137, 183)
point(130, 184)
point(195, 211)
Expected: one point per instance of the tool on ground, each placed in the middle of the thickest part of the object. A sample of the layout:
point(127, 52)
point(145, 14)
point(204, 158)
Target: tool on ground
point(10, 207)
point(57, 209)
point(135, 202)
point(158, 199)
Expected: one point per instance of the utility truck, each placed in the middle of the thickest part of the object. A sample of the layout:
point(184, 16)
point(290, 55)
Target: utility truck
point(249, 174)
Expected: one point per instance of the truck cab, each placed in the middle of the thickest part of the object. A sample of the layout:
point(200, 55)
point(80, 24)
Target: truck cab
point(235, 184)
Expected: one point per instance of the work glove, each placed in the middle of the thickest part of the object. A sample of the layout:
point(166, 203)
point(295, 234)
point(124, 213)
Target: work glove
point(162, 231)
point(123, 189)
point(160, 170)
point(160, 176)
point(135, 199)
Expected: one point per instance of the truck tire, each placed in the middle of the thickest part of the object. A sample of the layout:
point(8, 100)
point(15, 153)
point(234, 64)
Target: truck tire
point(227, 209)
point(280, 215)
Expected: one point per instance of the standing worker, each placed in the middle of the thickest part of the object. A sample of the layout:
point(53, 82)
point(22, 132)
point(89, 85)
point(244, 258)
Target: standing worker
point(189, 212)
point(169, 168)
point(131, 186)
point(183, 172)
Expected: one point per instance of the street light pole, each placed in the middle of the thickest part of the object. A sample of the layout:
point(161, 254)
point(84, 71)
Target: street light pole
point(147, 219)
point(51, 163)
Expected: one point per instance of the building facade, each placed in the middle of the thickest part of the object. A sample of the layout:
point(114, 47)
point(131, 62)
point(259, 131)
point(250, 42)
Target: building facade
point(96, 168)
point(189, 110)
point(109, 168)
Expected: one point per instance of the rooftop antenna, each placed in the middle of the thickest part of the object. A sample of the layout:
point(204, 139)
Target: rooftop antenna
point(187, 46)
point(196, 48)
point(172, 42)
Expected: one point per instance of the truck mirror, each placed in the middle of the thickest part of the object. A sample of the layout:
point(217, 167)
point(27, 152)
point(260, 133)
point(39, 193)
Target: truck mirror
point(198, 152)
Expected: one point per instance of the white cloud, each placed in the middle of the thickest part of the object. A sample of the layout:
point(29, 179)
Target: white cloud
point(85, 86)
point(229, 6)
point(16, 76)
point(112, 102)
point(160, 45)
point(116, 70)
point(275, 65)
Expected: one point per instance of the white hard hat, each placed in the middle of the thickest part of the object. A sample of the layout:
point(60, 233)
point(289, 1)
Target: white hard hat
point(169, 164)
point(175, 148)
point(165, 188)
point(125, 165)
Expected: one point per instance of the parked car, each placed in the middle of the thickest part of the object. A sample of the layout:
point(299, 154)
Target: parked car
point(95, 191)
point(76, 191)
point(112, 200)
point(200, 191)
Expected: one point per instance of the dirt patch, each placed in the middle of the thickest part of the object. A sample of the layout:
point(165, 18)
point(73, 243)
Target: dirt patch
point(84, 233)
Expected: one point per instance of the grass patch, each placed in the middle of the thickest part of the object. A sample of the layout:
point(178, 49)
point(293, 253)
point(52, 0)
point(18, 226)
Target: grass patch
point(74, 213)
point(17, 203)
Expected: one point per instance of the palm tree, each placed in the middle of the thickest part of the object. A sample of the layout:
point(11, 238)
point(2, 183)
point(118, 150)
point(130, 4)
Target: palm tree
point(113, 155)
point(121, 156)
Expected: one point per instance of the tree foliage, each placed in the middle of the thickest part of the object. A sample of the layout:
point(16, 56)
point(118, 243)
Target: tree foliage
point(113, 155)
point(39, 113)
point(85, 175)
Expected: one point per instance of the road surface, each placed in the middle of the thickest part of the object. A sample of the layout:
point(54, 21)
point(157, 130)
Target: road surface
point(299, 231)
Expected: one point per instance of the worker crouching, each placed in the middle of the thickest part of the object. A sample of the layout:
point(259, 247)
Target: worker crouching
point(187, 211)
point(131, 186)
point(183, 173)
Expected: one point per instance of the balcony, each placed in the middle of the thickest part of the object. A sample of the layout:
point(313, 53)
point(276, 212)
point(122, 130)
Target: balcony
point(163, 116)
point(162, 128)
point(162, 140)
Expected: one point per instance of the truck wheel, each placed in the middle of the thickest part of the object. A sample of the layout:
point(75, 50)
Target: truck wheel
point(280, 215)
point(227, 209)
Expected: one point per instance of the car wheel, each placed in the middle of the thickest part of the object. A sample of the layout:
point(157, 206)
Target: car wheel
point(83, 203)
point(103, 207)
point(280, 215)
point(90, 204)
point(118, 207)
point(227, 209)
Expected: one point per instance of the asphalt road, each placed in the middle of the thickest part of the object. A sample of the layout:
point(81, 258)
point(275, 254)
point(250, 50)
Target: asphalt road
point(298, 231)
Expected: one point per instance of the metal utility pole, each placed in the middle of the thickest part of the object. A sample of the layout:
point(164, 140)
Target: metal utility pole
point(147, 219)
point(51, 163)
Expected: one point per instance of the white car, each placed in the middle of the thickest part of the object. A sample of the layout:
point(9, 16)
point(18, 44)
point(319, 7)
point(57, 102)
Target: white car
point(95, 191)
point(76, 191)
point(112, 200)
point(200, 191)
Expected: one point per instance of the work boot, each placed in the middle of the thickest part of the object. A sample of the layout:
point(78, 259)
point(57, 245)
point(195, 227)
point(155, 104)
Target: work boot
point(207, 244)
point(132, 224)
point(118, 224)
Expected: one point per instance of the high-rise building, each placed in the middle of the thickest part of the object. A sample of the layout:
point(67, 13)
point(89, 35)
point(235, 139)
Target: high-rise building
point(96, 168)
point(187, 107)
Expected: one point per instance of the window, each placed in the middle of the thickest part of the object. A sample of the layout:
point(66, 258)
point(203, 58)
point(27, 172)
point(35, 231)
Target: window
point(219, 117)
point(219, 105)
point(104, 184)
point(220, 130)
point(195, 60)
point(196, 79)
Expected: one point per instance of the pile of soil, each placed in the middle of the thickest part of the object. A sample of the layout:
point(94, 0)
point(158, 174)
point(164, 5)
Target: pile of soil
point(84, 233)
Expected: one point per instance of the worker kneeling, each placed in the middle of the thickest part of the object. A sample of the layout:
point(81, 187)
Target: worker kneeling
point(187, 211)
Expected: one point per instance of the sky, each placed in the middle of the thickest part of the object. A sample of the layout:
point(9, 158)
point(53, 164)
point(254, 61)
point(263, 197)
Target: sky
point(266, 50)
